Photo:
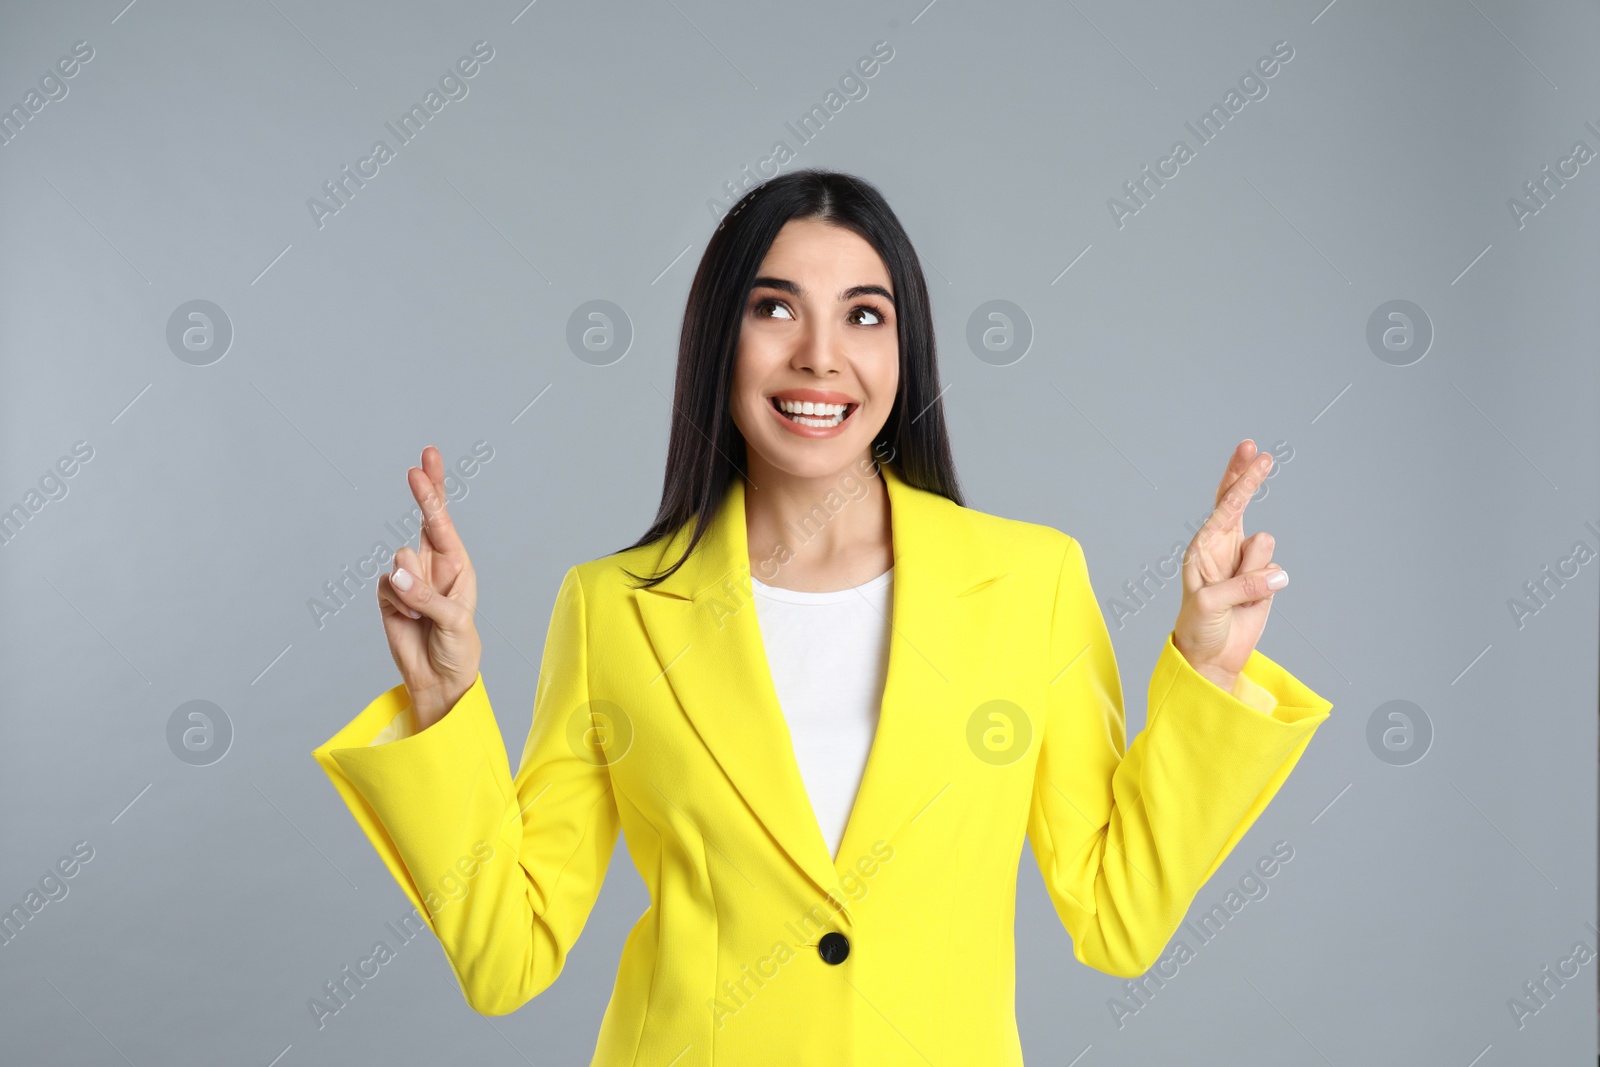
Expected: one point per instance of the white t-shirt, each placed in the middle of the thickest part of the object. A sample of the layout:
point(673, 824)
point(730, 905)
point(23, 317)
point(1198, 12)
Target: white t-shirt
point(829, 656)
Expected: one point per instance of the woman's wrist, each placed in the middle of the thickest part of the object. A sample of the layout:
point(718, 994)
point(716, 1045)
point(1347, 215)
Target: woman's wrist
point(1220, 677)
point(1223, 680)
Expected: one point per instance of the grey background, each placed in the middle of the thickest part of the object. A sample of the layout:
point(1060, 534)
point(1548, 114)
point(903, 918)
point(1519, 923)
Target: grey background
point(1410, 503)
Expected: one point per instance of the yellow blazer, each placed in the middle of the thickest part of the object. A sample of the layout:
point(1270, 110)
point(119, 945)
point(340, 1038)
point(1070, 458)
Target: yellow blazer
point(655, 715)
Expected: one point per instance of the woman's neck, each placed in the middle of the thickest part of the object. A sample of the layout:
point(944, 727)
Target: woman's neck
point(817, 534)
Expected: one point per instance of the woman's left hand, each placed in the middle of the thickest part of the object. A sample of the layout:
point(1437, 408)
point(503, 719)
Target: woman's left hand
point(1226, 590)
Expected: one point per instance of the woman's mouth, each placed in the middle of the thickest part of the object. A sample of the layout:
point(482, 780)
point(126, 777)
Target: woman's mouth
point(808, 413)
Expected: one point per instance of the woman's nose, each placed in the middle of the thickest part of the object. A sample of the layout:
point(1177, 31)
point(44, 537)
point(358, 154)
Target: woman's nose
point(818, 352)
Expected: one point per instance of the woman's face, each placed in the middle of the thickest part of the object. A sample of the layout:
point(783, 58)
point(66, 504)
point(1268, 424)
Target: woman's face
point(819, 325)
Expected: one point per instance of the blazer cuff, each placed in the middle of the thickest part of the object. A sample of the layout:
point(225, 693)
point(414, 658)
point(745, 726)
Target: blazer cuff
point(405, 792)
point(1246, 690)
point(391, 717)
point(1231, 758)
point(404, 724)
point(1294, 703)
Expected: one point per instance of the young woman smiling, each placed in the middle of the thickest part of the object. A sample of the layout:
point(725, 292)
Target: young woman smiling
point(825, 770)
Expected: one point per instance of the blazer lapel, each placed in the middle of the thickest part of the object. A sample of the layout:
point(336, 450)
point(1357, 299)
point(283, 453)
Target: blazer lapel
point(702, 623)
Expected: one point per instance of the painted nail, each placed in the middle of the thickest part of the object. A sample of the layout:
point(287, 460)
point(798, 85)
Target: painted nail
point(1277, 579)
point(401, 579)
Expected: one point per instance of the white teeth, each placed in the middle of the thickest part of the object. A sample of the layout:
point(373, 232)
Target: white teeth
point(807, 407)
point(822, 415)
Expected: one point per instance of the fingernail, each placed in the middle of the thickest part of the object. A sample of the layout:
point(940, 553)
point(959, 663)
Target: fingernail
point(414, 614)
point(401, 579)
point(1277, 579)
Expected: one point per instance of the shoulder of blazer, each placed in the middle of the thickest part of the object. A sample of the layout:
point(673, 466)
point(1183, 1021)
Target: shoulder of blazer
point(1017, 537)
point(1025, 548)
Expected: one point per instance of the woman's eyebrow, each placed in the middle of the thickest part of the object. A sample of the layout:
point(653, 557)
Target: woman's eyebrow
point(849, 294)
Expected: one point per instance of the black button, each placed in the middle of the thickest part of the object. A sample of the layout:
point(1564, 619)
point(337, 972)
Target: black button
point(833, 947)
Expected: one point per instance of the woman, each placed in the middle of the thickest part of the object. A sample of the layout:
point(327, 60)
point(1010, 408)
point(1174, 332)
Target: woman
point(823, 701)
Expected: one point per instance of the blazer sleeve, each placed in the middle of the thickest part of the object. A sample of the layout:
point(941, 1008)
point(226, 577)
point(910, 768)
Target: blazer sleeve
point(1126, 835)
point(504, 870)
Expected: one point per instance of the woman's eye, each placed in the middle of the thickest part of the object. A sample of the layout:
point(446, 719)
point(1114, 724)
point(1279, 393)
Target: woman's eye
point(762, 305)
point(876, 318)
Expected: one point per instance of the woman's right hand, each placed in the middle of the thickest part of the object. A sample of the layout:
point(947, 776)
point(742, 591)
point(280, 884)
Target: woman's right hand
point(429, 624)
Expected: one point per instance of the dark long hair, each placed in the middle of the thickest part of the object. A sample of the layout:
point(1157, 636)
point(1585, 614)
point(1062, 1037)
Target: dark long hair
point(706, 451)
